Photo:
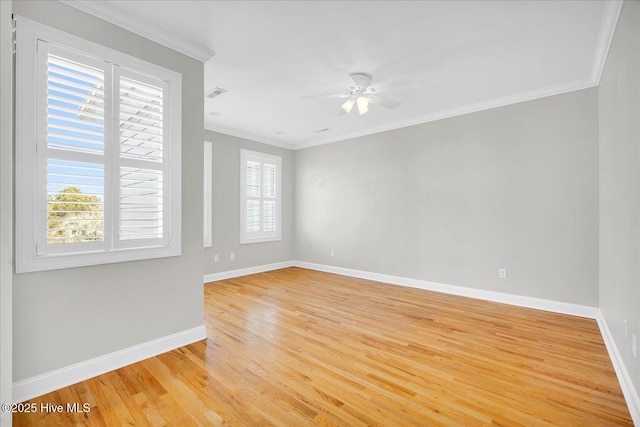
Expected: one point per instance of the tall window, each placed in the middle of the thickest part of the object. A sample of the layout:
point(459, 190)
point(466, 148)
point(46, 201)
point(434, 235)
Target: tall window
point(260, 197)
point(98, 153)
point(207, 226)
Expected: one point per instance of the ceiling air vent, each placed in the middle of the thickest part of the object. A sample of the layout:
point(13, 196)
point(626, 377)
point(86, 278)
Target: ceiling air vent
point(321, 130)
point(215, 92)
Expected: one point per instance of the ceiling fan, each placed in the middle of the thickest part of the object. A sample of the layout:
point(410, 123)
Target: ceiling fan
point(359, 94)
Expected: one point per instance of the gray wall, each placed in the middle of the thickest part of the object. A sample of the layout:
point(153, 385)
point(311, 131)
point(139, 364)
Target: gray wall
point(450, 201)
point(454, 200)
point(6, 208)
point(619, 94)
point(226, 207)
point(68, 316)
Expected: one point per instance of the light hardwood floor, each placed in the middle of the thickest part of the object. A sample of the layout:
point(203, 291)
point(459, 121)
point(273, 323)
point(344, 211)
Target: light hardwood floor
point(296, 347)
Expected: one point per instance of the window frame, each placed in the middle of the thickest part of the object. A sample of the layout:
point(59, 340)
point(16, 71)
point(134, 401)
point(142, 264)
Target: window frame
point(262, 158)
point(31, 128)
point(207, 226)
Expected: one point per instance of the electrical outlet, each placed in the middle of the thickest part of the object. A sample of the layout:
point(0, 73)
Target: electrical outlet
point(624, 328)
point(216, 258)
point(502, 273)
point(333, 252)
point(232, 256)
point(634, 343)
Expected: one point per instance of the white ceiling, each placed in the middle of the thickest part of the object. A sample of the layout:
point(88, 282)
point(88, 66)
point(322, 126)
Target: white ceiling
point(439, 58)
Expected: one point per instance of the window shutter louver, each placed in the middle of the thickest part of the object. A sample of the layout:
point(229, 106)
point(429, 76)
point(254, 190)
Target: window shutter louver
point(74, 215)
point(253, 197)
point(141, 116)
point(253, 216)
point(260, 197)
point(269, 179)
point(98, 153)
point(75, 151)
point(141, 150)
point(269, 215)
point(253, 179)
point(141, 205)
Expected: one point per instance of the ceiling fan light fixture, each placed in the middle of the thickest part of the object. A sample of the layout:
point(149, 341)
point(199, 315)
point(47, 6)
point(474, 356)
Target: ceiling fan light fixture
point(347, 106)
point(363, 105)
point(359, 93)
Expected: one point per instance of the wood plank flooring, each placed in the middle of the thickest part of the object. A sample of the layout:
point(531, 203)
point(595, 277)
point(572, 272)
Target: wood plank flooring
point(295, 347)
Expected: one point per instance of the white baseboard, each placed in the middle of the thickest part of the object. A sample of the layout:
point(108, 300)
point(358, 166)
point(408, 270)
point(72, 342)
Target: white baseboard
point(517, 300)
point(54, 380)
point(246, 271)
point(63, 377)
point(626, 384)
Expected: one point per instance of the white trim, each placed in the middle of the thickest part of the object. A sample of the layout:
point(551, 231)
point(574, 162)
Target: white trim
point(626, 383)
point(462, 110)
point(504, 298)
point(6, 208)
point(453, 112)
point(264, 160)
point(207, 226)
point(30, 129)
point(230, 274)
point(544, 92)
point(63, 377)
point(246, 135)
point(151, 32)
point(610, 17)
point(511, 299)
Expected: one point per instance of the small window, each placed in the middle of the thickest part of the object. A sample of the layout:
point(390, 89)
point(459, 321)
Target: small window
point(207, 226)
point(260, 197)
point(98, 153)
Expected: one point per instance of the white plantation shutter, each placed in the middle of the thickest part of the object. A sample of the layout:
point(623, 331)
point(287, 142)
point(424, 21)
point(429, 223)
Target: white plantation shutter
point(140, 204)
point(141, 129)
point(73, 95)
point(207, 226)
point(269, 180)
point(141, 120)
point(269, 205)
point(98, 153)
point(76, 113)
point(269, 217)
point(75, 104)
point(70, 220)
point(260, 204)
point(253, 218)
point(252, 188)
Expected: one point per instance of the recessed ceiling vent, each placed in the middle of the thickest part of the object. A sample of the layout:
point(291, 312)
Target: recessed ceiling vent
point(321, 130)
point(215, 92)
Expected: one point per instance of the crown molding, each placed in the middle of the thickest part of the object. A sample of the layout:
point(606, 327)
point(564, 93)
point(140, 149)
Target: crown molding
point(102, 11)
point(607, 29)
point(439, 115)
point(246, 135)
point(462, 110)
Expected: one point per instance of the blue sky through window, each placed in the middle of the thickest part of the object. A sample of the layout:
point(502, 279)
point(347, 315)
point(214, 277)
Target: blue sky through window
point(76, 123)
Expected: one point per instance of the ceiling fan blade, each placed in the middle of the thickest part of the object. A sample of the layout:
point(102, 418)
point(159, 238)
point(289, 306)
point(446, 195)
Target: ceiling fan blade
point(385, 102)
point(348, 80)
point(333, 95)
